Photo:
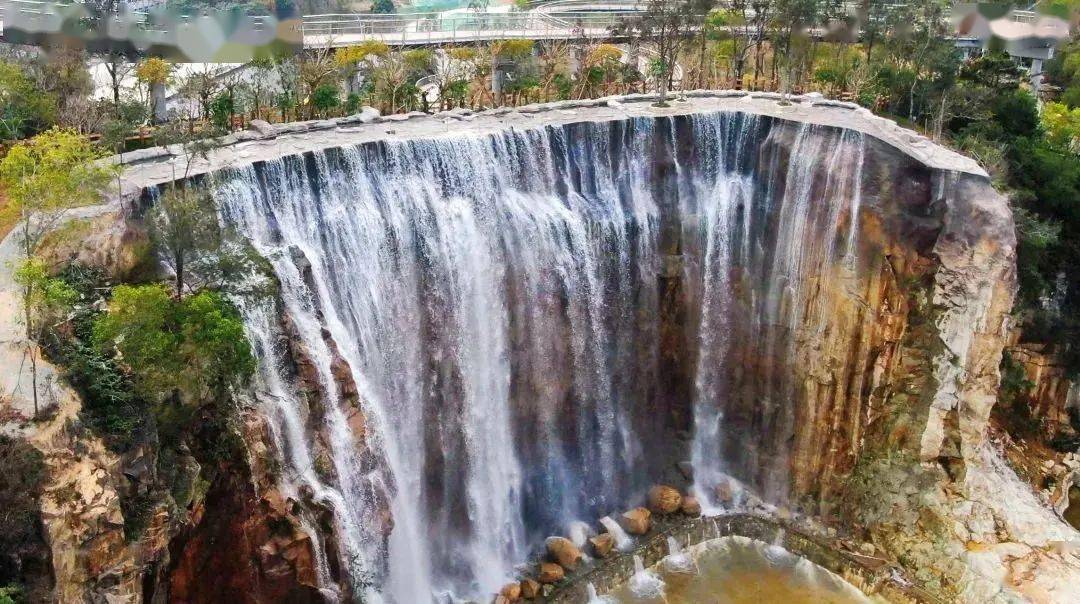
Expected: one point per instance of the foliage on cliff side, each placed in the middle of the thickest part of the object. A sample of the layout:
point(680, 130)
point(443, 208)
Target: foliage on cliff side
point(193, 348)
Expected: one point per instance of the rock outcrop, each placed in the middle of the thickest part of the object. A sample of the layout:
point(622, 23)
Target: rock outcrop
point(664, 499)
point(563, 552)
point(637, 521)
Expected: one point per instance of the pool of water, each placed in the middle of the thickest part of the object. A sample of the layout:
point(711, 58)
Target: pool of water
point(735, 570)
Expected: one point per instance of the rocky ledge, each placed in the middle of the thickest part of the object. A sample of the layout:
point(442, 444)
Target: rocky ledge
point(157, 165)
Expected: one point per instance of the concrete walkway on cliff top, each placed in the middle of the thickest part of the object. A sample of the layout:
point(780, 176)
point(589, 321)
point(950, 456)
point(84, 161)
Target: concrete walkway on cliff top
point(157, 165)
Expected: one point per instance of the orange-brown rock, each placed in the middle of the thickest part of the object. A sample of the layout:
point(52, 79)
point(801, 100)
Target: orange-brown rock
point(564, 552)
point(664, 499)
point(529, 589)
point(724, 493)
point(637, 521)
point(602, 544)
point(511, 591)
point(691, 506)
point(550, 573)
point(252, 543)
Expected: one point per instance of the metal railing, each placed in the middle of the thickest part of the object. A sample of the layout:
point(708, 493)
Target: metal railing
point(421, 28)
point(561, 19)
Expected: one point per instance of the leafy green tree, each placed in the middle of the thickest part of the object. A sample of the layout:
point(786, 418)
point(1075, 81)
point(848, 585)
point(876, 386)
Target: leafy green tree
point(25, 109)
point(383, 7)
point(43, 177)
point(194, 348)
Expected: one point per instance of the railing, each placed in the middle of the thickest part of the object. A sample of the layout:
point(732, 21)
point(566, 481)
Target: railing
point(563, 19)
point(461, 26)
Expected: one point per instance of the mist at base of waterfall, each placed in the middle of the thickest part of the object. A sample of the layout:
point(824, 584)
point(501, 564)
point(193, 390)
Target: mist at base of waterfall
point(738, 570)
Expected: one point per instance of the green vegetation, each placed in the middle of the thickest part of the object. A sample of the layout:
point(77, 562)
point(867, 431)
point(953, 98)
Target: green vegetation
point(189, 350)
point(42, 178)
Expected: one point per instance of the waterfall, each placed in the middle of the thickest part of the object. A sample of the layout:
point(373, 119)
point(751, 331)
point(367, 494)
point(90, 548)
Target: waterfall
point(623, 542)
point(495, 298)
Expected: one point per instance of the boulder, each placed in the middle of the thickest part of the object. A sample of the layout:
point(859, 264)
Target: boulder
point(724, 493)
point(550, 573)
point(263, 127)
point(563, 551)
point(368, 115)
point(529, 589)
point(602, 544)
point(637, 521)
point(691, 506)
point(511, 591)
point(664, 499)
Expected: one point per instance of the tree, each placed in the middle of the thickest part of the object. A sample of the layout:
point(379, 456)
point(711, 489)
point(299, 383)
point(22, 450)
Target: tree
point(667, 24)
point(153, 73)
point(288, 73)
point(699, 10)
point(118, 69)
point(202, 85)
point(316, 68)
point(25, 109)
point(362, 59)
point(325, 98)
point(383, 7)
point(43, 177)
point(63, 74)
point(260, 87)
point(183, 224)
point(194, 349)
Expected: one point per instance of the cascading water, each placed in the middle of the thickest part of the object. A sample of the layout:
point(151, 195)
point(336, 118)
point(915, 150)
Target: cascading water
point(498, 302)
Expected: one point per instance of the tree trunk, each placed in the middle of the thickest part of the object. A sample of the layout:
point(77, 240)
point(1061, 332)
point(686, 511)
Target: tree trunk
point(179, 276)
point(27, 293)
point(701, 76)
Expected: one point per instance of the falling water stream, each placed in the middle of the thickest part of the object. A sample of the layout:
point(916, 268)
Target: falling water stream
point(496, 300)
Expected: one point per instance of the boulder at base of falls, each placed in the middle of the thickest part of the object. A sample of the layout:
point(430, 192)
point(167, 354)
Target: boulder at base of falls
point(529, 589)
point(691, 506)
point(550, 573)
point(724, 493)
point(637, 521)
point(511, 591)
point(563, 551)
point(602, 544)
point(664, 499)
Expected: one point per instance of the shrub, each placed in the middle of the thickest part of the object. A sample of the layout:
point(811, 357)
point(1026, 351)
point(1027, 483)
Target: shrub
point(326, 97)
point(194, 348)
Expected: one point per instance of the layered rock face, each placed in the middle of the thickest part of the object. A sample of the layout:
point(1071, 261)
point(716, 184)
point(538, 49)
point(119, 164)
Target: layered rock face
point(516, 329)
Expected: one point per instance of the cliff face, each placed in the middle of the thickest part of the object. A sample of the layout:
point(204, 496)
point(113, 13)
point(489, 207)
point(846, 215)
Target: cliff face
point(481, 337)
point(614, 303)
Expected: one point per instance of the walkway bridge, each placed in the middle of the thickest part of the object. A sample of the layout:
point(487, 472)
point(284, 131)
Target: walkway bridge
point(540, 20)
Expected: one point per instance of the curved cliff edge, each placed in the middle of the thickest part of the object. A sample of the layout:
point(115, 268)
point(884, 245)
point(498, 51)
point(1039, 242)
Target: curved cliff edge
point(931, 491)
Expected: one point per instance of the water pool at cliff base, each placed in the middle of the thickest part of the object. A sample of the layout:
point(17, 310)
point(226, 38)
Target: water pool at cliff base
point(735, 570)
